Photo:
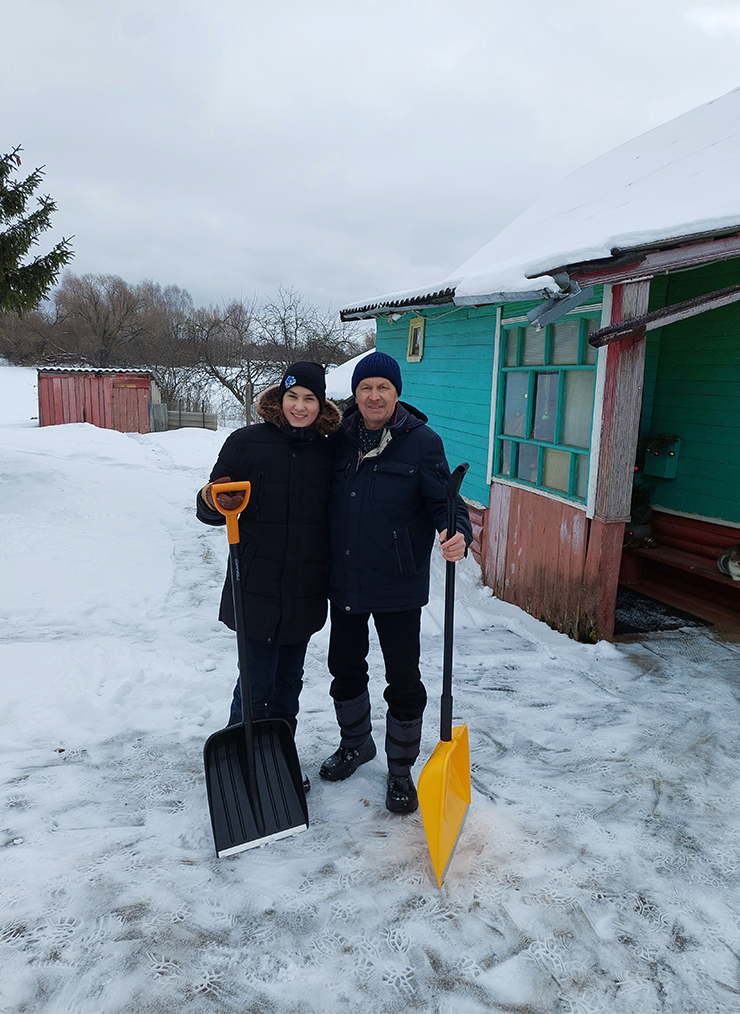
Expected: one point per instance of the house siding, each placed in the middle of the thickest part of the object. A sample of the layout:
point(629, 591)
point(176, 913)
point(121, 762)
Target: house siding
point(452, 383)
point(696, 395)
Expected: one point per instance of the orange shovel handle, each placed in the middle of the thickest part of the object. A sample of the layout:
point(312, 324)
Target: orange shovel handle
point(231, 514)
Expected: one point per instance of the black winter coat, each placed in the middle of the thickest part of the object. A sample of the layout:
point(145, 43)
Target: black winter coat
point(284, 530)
point(384, 510)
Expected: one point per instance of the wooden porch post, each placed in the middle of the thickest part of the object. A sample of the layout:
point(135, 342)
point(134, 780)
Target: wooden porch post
point(620, 422)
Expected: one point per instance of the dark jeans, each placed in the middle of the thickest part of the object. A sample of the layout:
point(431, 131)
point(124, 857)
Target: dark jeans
point(399, 635)
point(275, 681)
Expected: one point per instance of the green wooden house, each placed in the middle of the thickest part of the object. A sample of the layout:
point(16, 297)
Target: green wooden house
point(592, 346)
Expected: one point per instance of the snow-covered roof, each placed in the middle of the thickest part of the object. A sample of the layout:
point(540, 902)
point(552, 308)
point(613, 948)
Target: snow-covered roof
point(676, 181)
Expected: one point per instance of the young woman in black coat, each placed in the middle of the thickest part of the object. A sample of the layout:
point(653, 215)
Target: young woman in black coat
point(284, 534)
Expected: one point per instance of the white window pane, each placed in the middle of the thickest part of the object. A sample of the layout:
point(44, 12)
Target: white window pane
point(511, 338)
point(515, 403)
point(545, 407)
point(578, 408)
point(534, 347)
point(526, 467)
point(556, 471)
point(581, 489)
point(505, 468)
point(565, 343)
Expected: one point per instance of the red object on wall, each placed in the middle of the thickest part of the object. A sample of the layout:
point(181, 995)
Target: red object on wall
point(112, 399)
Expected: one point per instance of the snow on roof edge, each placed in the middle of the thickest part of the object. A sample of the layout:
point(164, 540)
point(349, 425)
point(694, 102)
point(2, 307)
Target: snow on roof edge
point(406, 299)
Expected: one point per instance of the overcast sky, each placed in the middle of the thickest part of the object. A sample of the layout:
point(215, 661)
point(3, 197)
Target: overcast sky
point(346, 148)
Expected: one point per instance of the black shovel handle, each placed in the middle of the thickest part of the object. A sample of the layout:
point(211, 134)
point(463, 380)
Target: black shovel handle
point(232, 527)
point(453, 491)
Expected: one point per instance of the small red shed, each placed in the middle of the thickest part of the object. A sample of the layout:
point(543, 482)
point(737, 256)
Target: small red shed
point(113, 399)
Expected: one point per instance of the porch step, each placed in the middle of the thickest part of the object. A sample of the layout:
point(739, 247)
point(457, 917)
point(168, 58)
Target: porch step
point(721, 618)
point(689, 562)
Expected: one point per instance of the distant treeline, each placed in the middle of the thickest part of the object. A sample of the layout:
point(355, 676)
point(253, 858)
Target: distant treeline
point(103, 321)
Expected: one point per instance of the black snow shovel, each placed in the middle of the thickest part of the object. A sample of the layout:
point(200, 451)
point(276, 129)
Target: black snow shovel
point(253, 777)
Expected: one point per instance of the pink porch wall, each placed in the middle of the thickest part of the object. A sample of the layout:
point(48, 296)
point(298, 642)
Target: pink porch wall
point(535, 554)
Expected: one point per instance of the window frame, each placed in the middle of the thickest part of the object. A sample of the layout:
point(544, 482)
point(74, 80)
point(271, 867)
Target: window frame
point(415, 324)
point(499, 438)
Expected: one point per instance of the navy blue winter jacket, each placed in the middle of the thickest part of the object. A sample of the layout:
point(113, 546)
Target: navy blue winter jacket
point(284, 531)
point(384, 510)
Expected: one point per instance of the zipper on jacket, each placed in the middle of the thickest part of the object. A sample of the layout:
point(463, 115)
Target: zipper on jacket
point(398, 552)
point(260, 492)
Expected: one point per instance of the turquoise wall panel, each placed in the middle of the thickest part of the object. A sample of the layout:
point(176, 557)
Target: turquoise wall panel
point(452, 383)
point(696, 395)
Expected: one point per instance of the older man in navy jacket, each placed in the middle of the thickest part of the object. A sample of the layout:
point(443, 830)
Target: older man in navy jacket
point(388, 495)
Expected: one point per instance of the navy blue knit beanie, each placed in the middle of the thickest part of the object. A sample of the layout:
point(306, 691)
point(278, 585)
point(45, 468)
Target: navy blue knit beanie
point(377, 364)
point(310, 375)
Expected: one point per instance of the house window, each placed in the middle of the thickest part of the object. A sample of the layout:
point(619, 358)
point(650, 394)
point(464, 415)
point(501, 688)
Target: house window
point(416, 340)
point(545, 404)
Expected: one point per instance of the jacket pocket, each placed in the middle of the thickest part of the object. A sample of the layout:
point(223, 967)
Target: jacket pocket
point(404, 552)
point(256, 496)
point(246, 551)
point(394, 481)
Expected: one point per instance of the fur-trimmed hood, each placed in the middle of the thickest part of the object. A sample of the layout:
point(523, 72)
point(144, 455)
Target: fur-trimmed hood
point(270, 409)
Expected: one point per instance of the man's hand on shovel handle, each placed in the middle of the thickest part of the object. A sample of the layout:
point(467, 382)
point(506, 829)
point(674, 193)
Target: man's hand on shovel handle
point(452, 549)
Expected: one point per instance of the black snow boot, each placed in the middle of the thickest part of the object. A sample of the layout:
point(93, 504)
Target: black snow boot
point(402, 743)
point(400, 796)
point(356, 746)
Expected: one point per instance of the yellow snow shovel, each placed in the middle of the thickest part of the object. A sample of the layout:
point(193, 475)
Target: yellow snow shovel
point(444, 783)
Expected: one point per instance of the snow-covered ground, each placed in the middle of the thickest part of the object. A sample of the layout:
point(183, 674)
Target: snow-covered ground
point(599, 869)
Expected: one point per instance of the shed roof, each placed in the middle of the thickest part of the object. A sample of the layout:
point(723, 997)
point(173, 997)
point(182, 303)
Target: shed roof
point(95, 370)
point(675, 182)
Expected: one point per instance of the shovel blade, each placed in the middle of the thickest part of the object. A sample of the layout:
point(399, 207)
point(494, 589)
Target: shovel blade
point(280, 796)
point(444, 797)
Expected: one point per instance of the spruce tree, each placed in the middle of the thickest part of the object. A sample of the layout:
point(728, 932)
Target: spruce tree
point(24, 282)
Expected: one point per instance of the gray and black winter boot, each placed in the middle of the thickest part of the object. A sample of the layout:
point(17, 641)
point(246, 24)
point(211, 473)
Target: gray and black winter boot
point(356, 746)
point(400, 796)
point(402, 743)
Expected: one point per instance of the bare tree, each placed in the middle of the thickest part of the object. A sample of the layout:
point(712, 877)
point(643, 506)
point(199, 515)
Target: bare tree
point(100, 318)
point(245, 346)
point(292, 329)
point(229, 350)
point(102, 321)
point(366, 339)
point(164, 345)
point(238, 349)
point(29, 340)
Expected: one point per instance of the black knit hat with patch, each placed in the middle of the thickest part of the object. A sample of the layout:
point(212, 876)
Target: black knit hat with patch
point(310, 375)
